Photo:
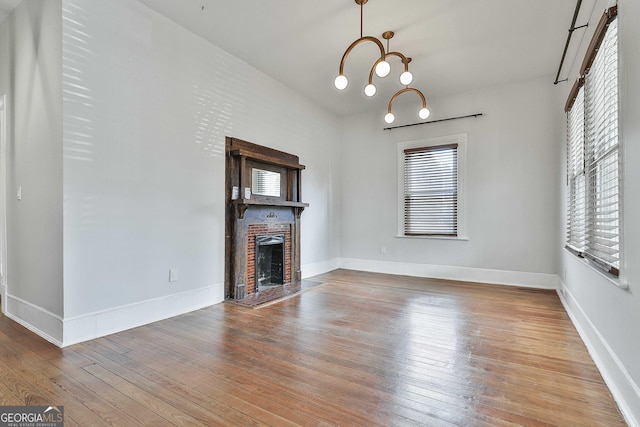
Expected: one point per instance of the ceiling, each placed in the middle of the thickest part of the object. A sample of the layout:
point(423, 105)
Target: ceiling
point(455, 45)
point(6, 6)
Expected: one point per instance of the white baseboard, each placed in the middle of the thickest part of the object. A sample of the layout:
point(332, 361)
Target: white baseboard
point(98, 324)
point(310, 270)
point(38, 320)
point(624, 390)
point(465, 274)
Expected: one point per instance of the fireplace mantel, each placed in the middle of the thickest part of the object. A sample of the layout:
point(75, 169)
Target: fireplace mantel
point(251, 212)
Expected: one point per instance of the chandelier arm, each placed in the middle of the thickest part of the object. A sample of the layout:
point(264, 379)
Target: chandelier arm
point(407, 89)
point(373, 69)
point(403, 58)
point(357, 42)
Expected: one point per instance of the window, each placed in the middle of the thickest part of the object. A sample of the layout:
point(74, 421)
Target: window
point(593, 153)
point(430, 184)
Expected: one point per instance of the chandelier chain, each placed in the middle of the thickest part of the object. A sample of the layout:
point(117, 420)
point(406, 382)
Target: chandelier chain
point(361, 18)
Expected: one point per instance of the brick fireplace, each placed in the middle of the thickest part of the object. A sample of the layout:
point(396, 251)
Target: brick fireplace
point(257, 231)
point(262, 251)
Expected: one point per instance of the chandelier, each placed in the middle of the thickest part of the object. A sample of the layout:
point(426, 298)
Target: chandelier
point(382, 69)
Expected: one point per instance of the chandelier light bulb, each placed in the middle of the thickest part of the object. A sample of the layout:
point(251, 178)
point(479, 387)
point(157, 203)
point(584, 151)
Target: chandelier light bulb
point(382, 69)
point(406, 78)
point(341, 82)
point(424, 113)
point(389, 118)
point(370, 90)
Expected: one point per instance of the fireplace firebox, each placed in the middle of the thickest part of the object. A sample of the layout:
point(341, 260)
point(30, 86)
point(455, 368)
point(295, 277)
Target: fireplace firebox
point(270, 259)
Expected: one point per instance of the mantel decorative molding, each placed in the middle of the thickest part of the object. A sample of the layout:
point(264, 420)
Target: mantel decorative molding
point(243, 204)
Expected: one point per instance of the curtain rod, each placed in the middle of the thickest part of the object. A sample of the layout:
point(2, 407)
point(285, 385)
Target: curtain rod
point(435, 121)
point(566, 45)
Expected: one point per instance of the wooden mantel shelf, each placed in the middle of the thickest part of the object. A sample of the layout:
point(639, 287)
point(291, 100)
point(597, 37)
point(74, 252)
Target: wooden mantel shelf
point(285, 203)
point(243, 204)
point(282, 159)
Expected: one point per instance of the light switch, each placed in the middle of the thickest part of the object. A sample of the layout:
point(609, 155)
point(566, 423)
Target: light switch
point(173, 275)
point(19, 193)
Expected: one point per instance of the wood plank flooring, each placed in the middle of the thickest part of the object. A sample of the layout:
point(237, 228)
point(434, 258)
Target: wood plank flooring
point(363, 350)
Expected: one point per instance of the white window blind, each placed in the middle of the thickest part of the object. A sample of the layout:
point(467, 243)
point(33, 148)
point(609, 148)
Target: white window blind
point(602, 152)
point(576, 212)
point(593, 155)
point(431, 191)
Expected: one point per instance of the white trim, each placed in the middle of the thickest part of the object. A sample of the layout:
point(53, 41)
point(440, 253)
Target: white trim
point(449, 272)
point(313, 269)
point(461, 140)
point(3, 202)
point(105, 322)
point(617, 281)
point(623, 388)
point(3, 295)
point(433, 237)
point(98, 324)
point(35, 318)
point(623, 165)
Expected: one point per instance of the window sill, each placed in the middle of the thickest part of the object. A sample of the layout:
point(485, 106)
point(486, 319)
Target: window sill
point(616, 281)
point(433, 237)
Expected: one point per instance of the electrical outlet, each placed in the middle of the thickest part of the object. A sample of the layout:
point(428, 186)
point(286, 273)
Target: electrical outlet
point(383, 249)
point(173, 275)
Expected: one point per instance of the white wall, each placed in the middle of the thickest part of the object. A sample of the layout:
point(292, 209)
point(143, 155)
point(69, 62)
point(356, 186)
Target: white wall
point(608, 317)
point(30, 60)
point(147, 106)
point(512, 188)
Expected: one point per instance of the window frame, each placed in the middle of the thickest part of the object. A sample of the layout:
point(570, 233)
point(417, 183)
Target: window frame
point(591, 163)
point(461, 141)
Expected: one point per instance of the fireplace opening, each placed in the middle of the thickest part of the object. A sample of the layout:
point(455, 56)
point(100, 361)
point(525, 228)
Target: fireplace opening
point(269, 261)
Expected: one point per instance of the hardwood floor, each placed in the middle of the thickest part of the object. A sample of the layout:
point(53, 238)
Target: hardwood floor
point(363, 349)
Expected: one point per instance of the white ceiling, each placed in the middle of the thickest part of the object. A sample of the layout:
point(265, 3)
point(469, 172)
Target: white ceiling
point(6, 6)
point(456, 45)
